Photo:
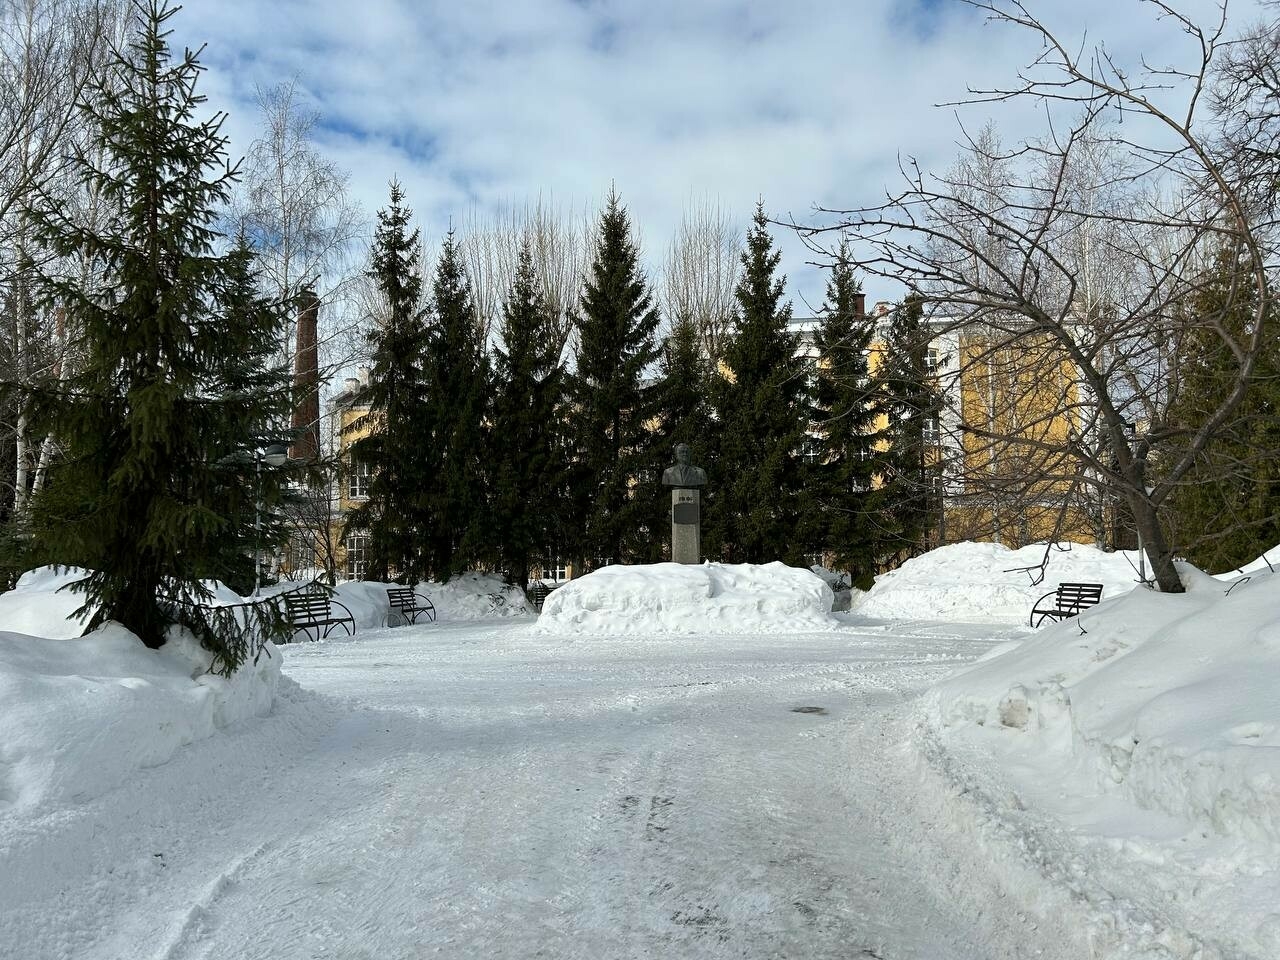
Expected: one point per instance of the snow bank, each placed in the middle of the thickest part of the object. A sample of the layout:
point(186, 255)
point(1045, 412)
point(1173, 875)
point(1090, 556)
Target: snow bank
point(39, 606)
point(983, 582)
point(676, 598)
point(79, 716)
point(1168, 700)
point(469, 596)
point(36, 607)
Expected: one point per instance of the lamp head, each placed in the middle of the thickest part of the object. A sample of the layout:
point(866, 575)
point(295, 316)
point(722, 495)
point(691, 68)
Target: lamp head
point(276, 455)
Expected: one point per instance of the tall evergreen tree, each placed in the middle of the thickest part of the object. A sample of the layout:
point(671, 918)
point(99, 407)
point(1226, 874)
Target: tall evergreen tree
point(845, 414)
point(681, 414)
point(154, 489)
point(527, 393)
point(389, 440)
point(1227, 508)
point(907, 495)
point(458, 378)
point(611, 406)
point(763, 410)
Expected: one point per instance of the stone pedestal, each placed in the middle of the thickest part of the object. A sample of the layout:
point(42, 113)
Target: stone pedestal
point(686, 525)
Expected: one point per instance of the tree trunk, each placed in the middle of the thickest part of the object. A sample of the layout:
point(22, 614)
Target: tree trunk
point(1154, 543)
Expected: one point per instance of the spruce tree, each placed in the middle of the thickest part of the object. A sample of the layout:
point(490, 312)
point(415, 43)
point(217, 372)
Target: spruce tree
point(525, 458)
point(907, 495)
point(762, 406)
point(1227, 508)
point(610, 404)
point(155, 488)
point(390, 440)
point(845, 415)
point(682, 414)
point(458, 377)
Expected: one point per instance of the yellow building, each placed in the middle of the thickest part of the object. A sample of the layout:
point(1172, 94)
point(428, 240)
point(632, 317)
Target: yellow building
point(998, 438)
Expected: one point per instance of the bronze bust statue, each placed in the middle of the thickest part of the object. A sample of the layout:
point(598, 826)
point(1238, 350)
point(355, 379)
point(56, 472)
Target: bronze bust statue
point(683, 474)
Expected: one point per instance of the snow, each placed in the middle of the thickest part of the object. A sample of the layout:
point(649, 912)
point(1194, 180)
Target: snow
point(42, 604)
point(1151, 723)
point(470, 789)
point(989, 583)
point(468, 596)
point(39, 607)
point(779, 782)
point(674, 598)
point(79, 717)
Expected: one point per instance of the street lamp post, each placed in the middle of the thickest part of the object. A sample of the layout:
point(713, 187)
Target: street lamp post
point(275, 455)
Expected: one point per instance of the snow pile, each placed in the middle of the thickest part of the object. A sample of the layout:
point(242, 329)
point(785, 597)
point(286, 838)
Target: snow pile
point(986, 582)
point(39, 606)
point(676, 598)
point(1168, 701)
point(476, 596)
point(36, 607)
point(79, 716)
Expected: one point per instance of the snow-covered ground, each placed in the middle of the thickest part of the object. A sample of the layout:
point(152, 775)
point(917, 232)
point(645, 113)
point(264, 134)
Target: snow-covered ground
point(476, 791)
point(1103, 789)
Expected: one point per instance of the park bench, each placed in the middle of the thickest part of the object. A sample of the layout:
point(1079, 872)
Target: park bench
point(309, 610)
point(538, 594)
point(406, 603)
point(1068, 600)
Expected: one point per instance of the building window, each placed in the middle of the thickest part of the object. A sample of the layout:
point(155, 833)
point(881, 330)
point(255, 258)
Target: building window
point(358, 480)
point(931, 431)
point(932, 360)
point(811, 449)
point(555, 570)
point(357, 546)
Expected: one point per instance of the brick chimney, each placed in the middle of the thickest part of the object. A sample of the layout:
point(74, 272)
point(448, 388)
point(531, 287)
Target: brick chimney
point(306, 381)
point(859, 304)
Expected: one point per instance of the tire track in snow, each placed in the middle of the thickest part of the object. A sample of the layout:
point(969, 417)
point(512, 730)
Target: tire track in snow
point(491, 797)
point(195, 925)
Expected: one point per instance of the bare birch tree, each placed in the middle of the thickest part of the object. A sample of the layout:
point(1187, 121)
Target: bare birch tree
point(296, 212)
point(701, 273)
point(1002, 267)
point(49, 49)
point(559, 242)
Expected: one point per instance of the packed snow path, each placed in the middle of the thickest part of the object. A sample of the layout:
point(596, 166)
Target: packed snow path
point(471, 791)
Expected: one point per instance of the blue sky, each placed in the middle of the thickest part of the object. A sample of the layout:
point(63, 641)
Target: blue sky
point(480, 104)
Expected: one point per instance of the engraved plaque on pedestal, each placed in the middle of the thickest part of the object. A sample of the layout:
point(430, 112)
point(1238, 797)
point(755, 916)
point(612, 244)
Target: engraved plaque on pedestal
point(686, 525)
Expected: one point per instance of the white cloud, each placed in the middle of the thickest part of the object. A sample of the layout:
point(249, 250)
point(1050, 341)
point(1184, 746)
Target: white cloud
point(490, 102)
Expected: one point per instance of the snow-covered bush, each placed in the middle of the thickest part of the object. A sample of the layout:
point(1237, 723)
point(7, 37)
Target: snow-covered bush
point(675, 598)
point(988, 583)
